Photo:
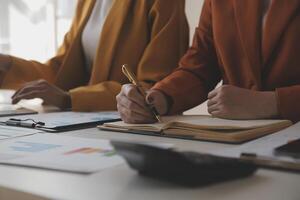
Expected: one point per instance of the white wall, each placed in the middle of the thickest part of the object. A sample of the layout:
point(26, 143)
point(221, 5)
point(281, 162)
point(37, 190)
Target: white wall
point(193, 10)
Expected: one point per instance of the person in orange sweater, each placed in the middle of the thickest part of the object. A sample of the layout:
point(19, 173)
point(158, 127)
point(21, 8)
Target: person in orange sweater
point(252, 46)
point(85, 75)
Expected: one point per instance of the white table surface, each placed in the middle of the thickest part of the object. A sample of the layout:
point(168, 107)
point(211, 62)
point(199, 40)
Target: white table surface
point(121, 183)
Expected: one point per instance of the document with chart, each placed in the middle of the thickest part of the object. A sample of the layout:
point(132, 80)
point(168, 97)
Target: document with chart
point(9, 132)
point(58, 152)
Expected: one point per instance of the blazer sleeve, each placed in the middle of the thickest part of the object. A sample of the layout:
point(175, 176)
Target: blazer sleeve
point(287, 99)
point(22, 71)
point(168, 42)
point(198, 71)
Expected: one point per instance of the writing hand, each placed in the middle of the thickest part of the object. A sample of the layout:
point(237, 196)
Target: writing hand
point(132, 106)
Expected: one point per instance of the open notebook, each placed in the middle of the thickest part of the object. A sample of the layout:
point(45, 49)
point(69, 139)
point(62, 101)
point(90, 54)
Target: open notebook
point(203, 127)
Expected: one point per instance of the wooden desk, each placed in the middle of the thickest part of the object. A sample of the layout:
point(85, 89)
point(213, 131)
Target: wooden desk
point(121, 183)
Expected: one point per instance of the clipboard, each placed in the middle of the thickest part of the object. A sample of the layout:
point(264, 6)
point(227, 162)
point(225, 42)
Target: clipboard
point(62, 121)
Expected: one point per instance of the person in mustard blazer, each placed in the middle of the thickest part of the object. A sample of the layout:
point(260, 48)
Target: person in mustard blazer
point(252, 46)
point(85, 75)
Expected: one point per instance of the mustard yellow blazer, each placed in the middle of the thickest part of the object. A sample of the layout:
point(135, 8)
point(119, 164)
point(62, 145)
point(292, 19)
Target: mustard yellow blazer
point(149, 35)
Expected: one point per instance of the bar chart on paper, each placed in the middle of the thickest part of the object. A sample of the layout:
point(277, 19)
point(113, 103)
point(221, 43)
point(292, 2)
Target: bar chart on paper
point(32, 147)
point(58, 152)
point(89, 150)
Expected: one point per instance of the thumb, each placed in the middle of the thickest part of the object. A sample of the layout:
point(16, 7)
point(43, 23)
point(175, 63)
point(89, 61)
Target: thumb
point(150, 98)
point(158, 100)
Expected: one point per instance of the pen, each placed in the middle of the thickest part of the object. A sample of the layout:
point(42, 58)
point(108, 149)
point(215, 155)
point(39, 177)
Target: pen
point(20, 123)
point(131, 77)
point(269, 162)
point(27, 123)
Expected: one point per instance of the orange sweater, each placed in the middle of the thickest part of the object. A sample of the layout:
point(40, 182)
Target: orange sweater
point(228, 46)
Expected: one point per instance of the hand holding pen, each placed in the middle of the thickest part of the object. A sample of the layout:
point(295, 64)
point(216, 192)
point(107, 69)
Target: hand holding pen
point(136, 106)
point(131, 77)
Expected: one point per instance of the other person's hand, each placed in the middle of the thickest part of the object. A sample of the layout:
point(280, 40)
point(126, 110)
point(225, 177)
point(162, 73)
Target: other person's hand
point(51, 94)
point(232, 102)
point(132, 105)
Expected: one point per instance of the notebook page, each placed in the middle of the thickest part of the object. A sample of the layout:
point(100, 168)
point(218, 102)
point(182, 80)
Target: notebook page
point(196, 122)
point(156, 127)
point(208, 122)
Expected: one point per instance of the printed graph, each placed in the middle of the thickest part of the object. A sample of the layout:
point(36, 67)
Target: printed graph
point(89, 150)
point(32, 147)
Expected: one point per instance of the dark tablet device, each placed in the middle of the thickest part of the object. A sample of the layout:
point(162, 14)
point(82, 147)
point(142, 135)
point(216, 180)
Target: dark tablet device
point(185, 168)
point(291, 149)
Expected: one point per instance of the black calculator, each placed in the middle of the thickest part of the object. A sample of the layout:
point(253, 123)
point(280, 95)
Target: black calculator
point(185, 168)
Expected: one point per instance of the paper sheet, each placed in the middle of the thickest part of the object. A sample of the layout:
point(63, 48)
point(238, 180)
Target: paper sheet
point(61, 119)
point(200, 121)
point(59, 153)
point(9, 132)
point(265, 146)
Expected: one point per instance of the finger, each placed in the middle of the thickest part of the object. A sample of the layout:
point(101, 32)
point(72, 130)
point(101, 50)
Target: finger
point(153, 97)
point(29, 84)
point(212, 94)
point(132, 93)
point(131, 117)
point(215, 113)
point(212, 102)
point(29, 95)
point(220, 114)
point(25, 91)
point(213, 108)
point(131, 105)
point(28, 89)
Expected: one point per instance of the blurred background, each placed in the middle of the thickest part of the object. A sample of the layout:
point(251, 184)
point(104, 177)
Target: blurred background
point(33, 29)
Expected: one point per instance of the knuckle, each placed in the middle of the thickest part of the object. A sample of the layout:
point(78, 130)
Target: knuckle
point(126, 120)
point(124, 87)
point(118, 97)
point(221, 93)
point(209, 110)
point(41, 81)
point(131, 92)
point(131, 105)
point(127, 112)
point(224, 88)
point(222, 96)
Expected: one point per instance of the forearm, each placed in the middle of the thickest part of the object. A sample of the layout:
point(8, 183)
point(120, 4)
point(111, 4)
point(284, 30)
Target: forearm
point(21, 71)
point(5, 63)
point(184, 89)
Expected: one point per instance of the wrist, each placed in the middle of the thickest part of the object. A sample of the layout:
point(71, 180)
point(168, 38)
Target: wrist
point(270, 104)
point(67, 101)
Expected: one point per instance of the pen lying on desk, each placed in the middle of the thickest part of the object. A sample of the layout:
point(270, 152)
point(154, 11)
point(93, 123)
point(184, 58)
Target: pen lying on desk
point(131, 77)
point(26, 123)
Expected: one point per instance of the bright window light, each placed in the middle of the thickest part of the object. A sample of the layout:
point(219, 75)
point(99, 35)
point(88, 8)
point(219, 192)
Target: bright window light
point(33, 29)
